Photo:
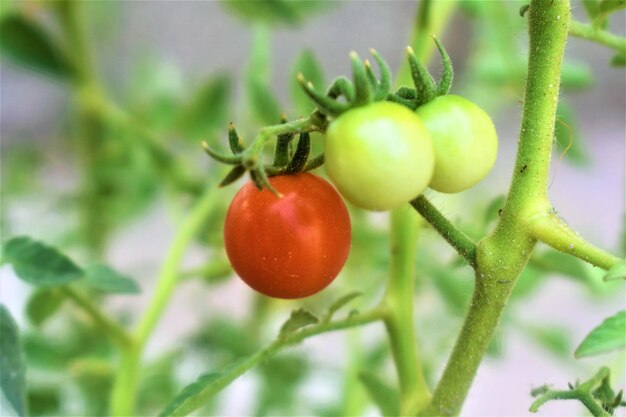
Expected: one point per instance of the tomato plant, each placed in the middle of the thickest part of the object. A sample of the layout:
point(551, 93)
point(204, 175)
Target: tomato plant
point(379, 155)
point(289, 247)
point(464, 139)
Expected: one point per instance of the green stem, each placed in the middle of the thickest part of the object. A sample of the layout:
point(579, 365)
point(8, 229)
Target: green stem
point(550, 229)
point(456, 238)
point(117, 333)
point(414, 391)
point(124, 391)
point(589, 32)
point(502, 256)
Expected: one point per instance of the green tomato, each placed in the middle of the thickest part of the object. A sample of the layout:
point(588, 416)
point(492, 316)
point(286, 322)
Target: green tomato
point(465, 142)
point(379, 156)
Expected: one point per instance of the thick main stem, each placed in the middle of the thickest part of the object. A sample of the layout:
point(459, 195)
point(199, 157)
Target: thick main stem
point(502, 256)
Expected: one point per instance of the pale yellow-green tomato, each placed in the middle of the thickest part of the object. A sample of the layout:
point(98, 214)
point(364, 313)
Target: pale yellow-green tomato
point(379, 156)
point(465, 142)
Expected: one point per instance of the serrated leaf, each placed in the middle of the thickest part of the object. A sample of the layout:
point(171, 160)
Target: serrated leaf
point(12, 369)
point(297, 320)
point(609, 335)
point(568, 136)
point(339, 303)
point(43, 303)
point(102, 278)
point(386, 398)
point(27, 43)
point(207, 110)
point(276, 11)
point(307, 64)
point(617, 271)
point(39, 264)
point(195, 395)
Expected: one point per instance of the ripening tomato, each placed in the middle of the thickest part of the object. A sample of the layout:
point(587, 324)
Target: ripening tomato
point(379, 155)
point(465, 141)
point(289, 247)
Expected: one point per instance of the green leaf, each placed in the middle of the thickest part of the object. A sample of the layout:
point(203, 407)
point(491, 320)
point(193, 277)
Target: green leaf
point(339, 303)
point(566, 131)
point(39, 264)
point(610, 335)
point(554, 338)
point(12, 369)
point(298, 319)
point(591, 7)
point(43, 303)
point(307, 64)
point(619, 60)
point(276, 11)
point(560, 263)
point(195, 395)
point(264, 105)
point(617, 271)
point(208, 109)
point(610, 6)
point(103, 278)
point(386, 398)
point(493, 209)
point(25, 42)
point(576, 76)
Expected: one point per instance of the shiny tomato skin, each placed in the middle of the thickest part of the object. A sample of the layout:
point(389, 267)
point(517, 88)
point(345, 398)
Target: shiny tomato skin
point(464, 139)
point(379, 156)
point(289, 247)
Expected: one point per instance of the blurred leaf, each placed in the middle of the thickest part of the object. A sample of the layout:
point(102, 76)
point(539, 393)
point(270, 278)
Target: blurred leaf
point(576, 75)
point(454, 288)
point(43, 303)
point(194, 395)
point(43, 401)
point(386, 398)
point(591, 7)
point(568, 136)
point(297, 320)
point(619, 60)
point(617, 271)
point(208, 109)
point(28, 44)
point(12, 369)
point(307, 64)
point(276, 11)
point(492, 212)
point(552, 261)
point(158, 381)
point(20, 168)
point(281, 377)
point(339, 303)
point(555, 339)
point(262, 102)
point(103, 278)
point(224, 335)
point(609, 335)
point(39, 264)
point(610, 6)
point(528, 282)
point(93, 377)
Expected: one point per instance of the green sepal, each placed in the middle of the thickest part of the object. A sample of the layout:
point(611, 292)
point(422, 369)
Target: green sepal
point(234, 141)
point(233, 175)
point(341, 86)
point(406, 93)
point(325, 104)
point(261, 181)
point(445, 83)
point(316, 162)
point(362, 84)
point(281, 153)
point(424, 83)
point(405, 102)
point(301, 155)
point(226, 159)
point(384, 86)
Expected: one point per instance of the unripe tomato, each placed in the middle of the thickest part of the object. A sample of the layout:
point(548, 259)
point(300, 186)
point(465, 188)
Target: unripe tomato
point(289, 247)
point(465, 141)
point(379, 156)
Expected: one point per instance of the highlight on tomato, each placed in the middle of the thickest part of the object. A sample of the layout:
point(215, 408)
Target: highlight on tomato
point(379, 155)
point(289, 247)
point(464, 139)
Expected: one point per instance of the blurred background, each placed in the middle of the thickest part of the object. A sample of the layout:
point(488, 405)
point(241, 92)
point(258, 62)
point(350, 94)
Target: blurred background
point(105, 164)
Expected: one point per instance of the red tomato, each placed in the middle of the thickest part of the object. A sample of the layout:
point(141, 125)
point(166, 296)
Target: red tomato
point(288, 247)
